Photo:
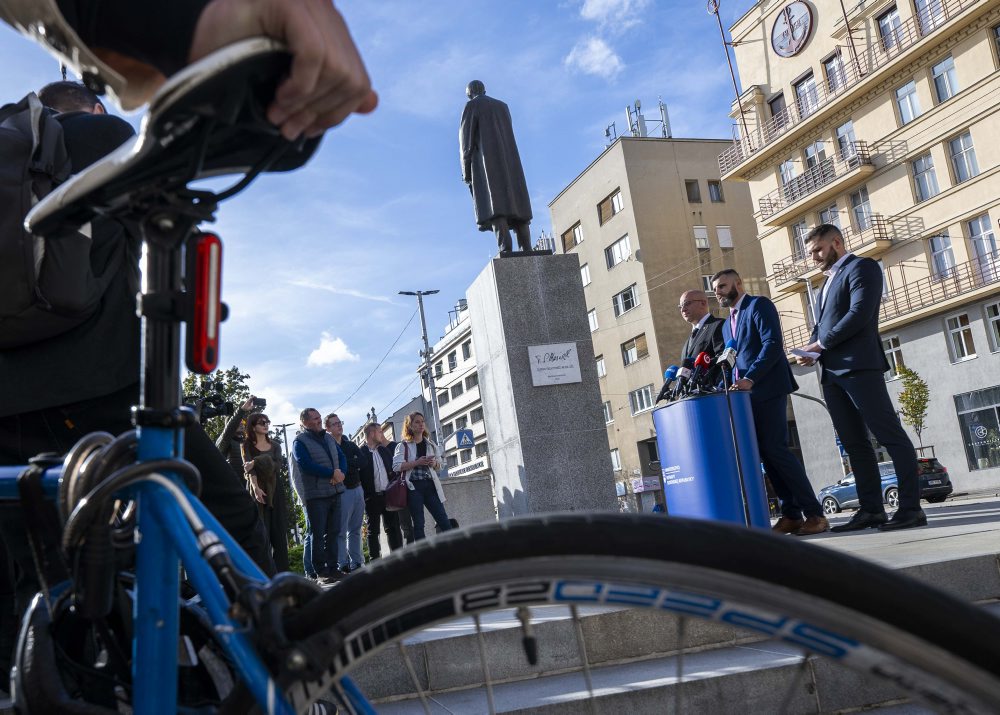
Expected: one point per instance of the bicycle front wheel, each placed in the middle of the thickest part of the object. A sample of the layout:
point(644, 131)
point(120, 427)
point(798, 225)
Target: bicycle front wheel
point(643, 589)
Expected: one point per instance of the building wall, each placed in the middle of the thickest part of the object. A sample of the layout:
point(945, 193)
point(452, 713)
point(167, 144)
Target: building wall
point(664, 261)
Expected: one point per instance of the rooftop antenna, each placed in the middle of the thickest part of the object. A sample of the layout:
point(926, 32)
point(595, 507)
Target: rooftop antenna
point(610, 133)
point(664, 120)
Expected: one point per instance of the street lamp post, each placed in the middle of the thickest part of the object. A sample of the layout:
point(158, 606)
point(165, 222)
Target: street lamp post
point(288, 456)
point(426, 354)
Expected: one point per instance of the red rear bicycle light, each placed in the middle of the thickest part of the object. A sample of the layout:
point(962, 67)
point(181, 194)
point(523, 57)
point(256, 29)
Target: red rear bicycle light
point(204, 286)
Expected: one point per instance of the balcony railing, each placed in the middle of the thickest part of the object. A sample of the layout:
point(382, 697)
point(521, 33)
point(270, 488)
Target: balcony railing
point(878, 54)
point(955, 281)
point(796, 337)
point(794, 267)
point(824, 173)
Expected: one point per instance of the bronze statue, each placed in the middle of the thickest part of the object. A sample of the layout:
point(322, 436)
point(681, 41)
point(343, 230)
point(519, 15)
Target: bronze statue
point(492, 169)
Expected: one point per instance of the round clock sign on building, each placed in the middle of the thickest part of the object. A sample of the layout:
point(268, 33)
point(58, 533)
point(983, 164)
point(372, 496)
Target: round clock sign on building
point(791, 29)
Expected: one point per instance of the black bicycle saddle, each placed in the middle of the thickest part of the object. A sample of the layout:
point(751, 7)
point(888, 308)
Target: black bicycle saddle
point(207, 120)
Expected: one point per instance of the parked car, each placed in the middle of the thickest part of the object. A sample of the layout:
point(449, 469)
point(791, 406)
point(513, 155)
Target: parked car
point(935, 486)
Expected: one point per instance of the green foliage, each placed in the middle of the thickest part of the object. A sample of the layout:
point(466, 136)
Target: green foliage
point(231, 383)
point(913, 400)
point(295, 559)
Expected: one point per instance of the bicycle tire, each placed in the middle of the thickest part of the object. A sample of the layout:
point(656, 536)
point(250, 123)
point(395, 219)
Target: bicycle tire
point(946, 651)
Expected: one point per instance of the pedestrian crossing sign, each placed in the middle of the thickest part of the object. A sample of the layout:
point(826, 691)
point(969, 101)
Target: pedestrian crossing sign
point(464, 438)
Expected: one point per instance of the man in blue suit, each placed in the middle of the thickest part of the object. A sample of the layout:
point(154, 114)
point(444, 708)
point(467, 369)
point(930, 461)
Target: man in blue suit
point(762, 368)
point(852, 365)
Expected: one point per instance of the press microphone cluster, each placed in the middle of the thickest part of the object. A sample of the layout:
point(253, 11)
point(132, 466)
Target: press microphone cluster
point(698, 375)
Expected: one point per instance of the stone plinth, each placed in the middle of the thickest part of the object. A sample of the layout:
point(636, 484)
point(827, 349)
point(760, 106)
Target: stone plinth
point(548, 444)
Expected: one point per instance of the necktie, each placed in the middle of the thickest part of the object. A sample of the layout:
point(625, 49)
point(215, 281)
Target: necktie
point(732, 329)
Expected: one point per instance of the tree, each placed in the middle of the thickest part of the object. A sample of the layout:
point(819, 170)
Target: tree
point(913, 400)
point(230, 386)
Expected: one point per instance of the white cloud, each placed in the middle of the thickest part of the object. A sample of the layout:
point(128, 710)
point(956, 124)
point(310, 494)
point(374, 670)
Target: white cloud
point(342, 291)
point(594, 56)
point(331, 350)
point(613, 14)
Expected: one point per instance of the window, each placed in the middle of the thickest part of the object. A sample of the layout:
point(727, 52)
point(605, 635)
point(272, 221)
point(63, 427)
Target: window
point(725, 235)
point(715, 192)
point(585, 274)
point(846, 140)
point(701, 237)
point(609, 207)
point(706, 283)
point(616, 460)
point(979, 418)
point(592, 319)
point(942, 257)
point(465, 456)
point(693, 191)
point(461, 423)
point(787, 171)
point(447, 429)
point(443, 398)
point(799, 232)
point(476, 415)
point(626, 300)
point(806, 96)
point(963, 158)
point(836, 78)
point(641, 400)
point(452, 361)
point(457, 390)
point(996, 37)
point(945, 80)
point(894, 354)
point(830, 215)
point(890, 28)
point(779, 112)
point(907, 102)
point(924, 178)
point(861, 209)
point(984, 248)
point(930, 15)
point(471, 381)
point(438, 369)
point(451, 460)
point(960, 342)
point(467, 350)
point(601, 369)
point(634, 350)
point(609, 416)
point(815, 154)
point(618, 251)
point(572, 237)
point(992, 312)
point(482, 449)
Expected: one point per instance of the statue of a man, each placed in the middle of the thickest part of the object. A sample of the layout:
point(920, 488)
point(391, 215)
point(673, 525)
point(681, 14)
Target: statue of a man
point(492, 169)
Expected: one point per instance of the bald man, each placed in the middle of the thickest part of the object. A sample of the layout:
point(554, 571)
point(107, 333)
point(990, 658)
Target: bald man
point(706, 329)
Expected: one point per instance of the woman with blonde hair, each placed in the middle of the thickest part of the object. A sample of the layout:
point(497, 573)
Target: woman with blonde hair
point(261, 464)
point(417, 459)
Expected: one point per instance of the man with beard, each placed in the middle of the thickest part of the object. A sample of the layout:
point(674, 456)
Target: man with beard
point(852, 363)
point(762, 368)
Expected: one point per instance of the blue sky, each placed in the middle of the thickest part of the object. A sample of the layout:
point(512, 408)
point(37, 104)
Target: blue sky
point(314, 259)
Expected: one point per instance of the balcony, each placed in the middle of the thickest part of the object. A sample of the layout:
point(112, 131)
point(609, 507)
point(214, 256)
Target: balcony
point(796, 337)
point(788, 272)
point(870, 59)
point(822, 181)
point(938, 291)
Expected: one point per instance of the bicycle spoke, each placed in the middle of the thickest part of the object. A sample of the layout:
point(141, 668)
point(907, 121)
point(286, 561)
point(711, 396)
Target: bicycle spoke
point(581, 644)
point(678, 686)
point(482, 660)
point(413, 677)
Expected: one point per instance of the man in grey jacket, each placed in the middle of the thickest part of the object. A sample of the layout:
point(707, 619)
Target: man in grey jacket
point(322, 465)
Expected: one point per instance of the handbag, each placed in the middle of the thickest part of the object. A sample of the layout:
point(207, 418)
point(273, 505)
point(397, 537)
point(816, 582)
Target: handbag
point(397, 494)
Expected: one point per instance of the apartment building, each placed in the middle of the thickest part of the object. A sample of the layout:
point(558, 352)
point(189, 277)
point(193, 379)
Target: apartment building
point(649, 219)
point(881, 117)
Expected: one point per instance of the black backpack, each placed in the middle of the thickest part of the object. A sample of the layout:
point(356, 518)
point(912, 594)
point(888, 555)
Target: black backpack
point(47, 285)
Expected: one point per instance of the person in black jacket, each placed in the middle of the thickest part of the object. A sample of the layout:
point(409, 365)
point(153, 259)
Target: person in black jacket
point(706, 329)
point(376, 473)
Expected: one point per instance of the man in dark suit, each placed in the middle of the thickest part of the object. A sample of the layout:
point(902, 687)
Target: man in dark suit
point(376, 473)
point(706, 329)
point(762, 368)
point(852, 365)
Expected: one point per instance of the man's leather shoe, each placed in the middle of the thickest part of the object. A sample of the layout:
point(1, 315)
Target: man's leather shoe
point(787, 525)
point(813, 525)
point(862, 520)
point(905, 519)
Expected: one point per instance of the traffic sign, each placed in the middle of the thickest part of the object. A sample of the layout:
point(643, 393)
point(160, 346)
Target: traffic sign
point(464, 438)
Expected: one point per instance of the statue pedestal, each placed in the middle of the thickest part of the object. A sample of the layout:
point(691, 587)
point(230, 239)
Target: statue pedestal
point(542, 406)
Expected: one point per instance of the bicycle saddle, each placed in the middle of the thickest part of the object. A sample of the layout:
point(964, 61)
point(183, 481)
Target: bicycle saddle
point(207, 120)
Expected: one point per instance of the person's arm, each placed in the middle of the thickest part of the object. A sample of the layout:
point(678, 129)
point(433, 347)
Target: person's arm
point(226, 438)
point(765, 319)
point(467, 142)
point(398, 456)
point(865, 282)
point(306, 464)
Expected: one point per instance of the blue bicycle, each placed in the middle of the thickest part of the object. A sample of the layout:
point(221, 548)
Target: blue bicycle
point(116, 629)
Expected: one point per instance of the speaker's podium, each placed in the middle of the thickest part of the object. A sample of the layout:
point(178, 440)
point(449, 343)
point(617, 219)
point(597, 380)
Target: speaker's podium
point(699, 451)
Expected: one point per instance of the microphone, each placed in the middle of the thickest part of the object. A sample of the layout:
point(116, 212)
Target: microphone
point(682, 377)
point(668, 379)
point(701, 366)
point(728, 357)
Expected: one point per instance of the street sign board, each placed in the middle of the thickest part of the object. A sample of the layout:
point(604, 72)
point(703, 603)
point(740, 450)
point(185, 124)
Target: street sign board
point(464, 438)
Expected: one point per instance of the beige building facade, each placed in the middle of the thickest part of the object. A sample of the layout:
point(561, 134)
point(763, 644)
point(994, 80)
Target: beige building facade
point(649, 219)
point(881, 117)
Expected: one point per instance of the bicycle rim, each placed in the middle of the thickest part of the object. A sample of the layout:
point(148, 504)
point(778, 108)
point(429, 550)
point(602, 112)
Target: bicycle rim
point(673, 587)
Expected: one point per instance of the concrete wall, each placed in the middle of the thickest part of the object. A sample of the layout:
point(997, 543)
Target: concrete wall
point(470, 499)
